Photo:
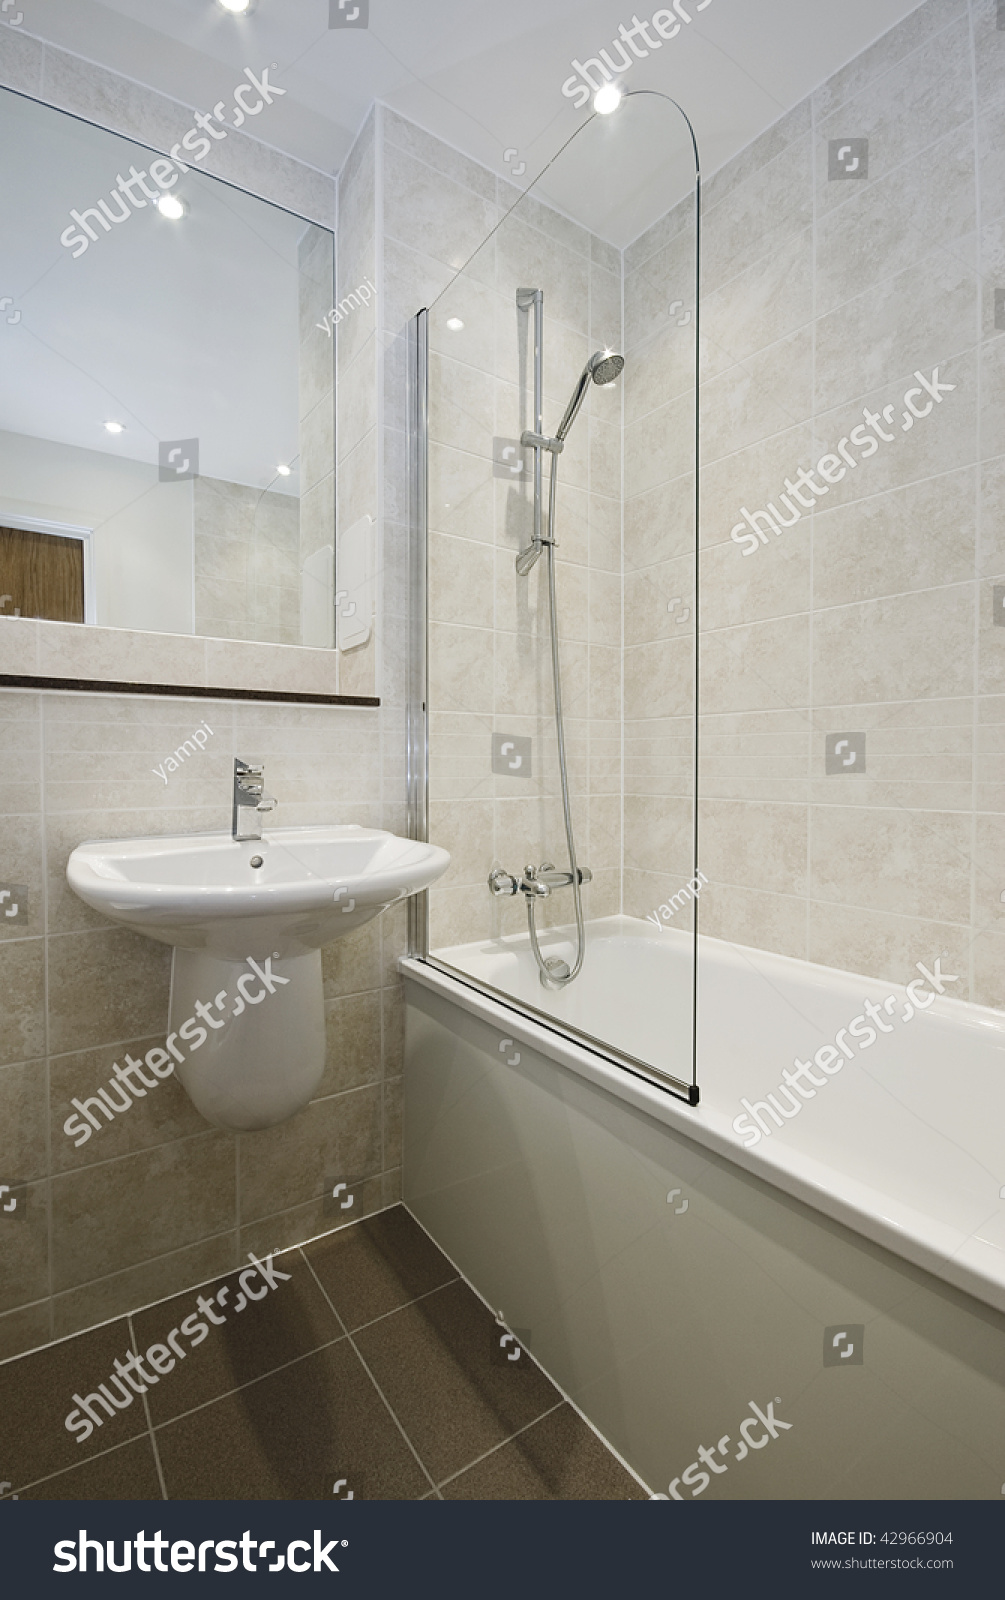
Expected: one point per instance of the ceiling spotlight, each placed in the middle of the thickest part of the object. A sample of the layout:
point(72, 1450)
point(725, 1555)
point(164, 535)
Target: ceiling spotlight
point(171, 207)
point(607, 99)
point(235, 5)
point(284, 472)
point(114, 427)
point(454, 324)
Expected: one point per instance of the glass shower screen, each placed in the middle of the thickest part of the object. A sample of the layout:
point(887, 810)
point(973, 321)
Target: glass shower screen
point(554, 602)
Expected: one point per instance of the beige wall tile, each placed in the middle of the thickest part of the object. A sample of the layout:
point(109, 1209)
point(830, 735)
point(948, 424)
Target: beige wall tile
point(23, 1153)
point(353, 965)
point(22, 984)
point(909, 863)
point(754, 845)
point(881, 650)
point(881, 944)
point(139, 1286)
point(288, 1165)
point(753, 917)
point(353, 1026)
point(106, 985)
point(762, 667)
point(157, 1116)
point(120, 1213)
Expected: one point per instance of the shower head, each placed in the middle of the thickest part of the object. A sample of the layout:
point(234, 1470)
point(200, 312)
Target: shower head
point(603, 367)
point(606, 369)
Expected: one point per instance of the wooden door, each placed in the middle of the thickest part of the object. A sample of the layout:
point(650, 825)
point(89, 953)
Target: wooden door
point(41, 575)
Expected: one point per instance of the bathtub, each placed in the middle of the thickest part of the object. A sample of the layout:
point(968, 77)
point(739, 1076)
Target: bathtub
point(574, 1194)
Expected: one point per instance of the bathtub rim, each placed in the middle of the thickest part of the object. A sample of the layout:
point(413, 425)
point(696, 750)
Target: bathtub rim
point(974, 1266)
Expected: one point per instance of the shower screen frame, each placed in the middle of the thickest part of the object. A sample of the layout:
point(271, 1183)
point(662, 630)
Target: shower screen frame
point(418, 670)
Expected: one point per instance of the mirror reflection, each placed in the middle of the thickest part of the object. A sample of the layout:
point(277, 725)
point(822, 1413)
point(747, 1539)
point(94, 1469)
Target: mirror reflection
point(166, 393)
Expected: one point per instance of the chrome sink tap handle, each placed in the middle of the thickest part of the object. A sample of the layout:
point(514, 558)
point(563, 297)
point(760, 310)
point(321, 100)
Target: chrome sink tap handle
point(251, 800)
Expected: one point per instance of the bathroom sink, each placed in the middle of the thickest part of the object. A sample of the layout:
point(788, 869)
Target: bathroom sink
point(246, 1020)
point(203, 892)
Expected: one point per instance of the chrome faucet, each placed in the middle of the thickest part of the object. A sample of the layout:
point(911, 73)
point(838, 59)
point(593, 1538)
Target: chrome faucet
point(251, 800)
point(537, 882)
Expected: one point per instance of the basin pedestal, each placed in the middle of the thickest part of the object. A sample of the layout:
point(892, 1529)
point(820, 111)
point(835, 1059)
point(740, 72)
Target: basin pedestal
point(265, 1057)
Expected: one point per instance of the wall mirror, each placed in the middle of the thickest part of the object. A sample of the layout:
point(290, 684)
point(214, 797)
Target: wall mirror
point(166, 392)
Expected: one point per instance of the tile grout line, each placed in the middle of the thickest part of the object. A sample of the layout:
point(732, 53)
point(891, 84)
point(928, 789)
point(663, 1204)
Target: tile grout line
point(442, 1484)
point(390, 1409)
point(175, 1294)
point(146, 1413)
point(547, 1375)
point(63, 1472)
point(227, 1394)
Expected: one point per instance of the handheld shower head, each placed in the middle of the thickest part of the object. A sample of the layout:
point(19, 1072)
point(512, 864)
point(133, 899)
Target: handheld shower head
point(606, 369)
point(603, 367)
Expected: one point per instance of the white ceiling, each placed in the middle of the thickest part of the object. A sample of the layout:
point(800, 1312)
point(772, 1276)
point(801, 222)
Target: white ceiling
point(484, 76)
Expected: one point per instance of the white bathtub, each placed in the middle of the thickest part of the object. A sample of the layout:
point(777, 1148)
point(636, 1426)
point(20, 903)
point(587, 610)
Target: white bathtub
point(904, 1142)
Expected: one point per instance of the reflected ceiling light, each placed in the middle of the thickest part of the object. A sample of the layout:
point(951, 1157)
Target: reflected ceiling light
point(235, 5)
point(171, 207)
point(454, 324)
point(607, 99)
point(284, 472)
point(114, 427)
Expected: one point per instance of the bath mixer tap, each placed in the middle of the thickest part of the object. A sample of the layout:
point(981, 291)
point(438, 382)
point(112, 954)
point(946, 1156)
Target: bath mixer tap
point(537, 882)
point(251, 800)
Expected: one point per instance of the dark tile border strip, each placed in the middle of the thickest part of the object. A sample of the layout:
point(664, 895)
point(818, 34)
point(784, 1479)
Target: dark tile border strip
point(27, 680)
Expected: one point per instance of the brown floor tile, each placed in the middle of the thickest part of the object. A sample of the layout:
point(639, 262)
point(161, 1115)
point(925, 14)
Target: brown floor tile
point(559, 1458)
point(433, 1361)
point(36, 1397)
point(126, 1474)
point(379, 1265)
point(290, 1437)
point(292, 1319)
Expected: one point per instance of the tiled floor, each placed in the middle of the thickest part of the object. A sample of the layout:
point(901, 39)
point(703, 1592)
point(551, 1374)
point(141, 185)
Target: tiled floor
point(372, 1363)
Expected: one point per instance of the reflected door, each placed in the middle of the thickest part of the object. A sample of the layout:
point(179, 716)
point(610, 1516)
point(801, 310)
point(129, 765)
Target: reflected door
point(41, 575)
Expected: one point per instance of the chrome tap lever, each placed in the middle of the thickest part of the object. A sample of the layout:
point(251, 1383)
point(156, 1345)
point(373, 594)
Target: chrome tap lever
point(251, 800)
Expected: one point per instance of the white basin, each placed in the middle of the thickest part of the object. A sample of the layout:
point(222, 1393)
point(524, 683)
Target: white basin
point(201, 891)
point(262, 1054)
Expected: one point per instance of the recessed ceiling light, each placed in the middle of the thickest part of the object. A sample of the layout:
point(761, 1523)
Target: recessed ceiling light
point(607, 99)
point(114, 427)
point(235, 5)
point(171, 207)
point(454, 324)
point(284, 472)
